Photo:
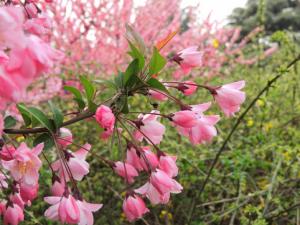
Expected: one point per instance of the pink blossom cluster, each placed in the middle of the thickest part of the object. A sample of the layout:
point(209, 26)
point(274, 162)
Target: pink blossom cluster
point(190, 121)
point(24, 53)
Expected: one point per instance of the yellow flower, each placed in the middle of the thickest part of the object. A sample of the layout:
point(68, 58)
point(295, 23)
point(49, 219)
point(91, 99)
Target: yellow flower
point(250, 123)
point(163, 213)
point(268, 126)
point(20, 138)
point(260, 103)
point(215, 43)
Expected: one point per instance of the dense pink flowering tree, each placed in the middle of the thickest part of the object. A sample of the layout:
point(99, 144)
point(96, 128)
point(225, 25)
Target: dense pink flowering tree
point(139, 133)
point(93, 28)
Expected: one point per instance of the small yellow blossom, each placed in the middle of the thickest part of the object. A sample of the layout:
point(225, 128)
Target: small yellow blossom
point(260, 103)
point(268, 126)
point(20, 138)
point(250, 123)
point(215, 43)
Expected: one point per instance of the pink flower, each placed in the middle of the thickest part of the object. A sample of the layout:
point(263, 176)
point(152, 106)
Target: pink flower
point(65, 137)
point(148, 159)
point(11, 22)
point(3, 183)
point(40, 25)
point(76, 163)
point(13, 214)
point(134, 207)
point(105, 117)
point(86, 212)
point(204, 129)
point(125, 170)
point(25, 164)
point(185, 118)
point(229, 97)
point(168, 165)
point(29, 193)
point(65, 209)
point(58, 188)
point(188, 59)
point(142, 159)
point(163, 183)
point(17, 199)
point(7, 153)
point(157, 95)
point(153, 194)
point(150, 128)
point(1, 125)
point(187, 89)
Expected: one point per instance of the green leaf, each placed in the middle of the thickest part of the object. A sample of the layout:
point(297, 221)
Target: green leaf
point(38, 115)
point(157, 62)
point(25, 114)
point(58, 117)
point(45, 138)
point(119, 80)
point(9, 122)
point(131, 70)
point(78, 97)
point(154, 83)
point(136, 54)
point(135, 38)
point(88, 87)
point(122, 104)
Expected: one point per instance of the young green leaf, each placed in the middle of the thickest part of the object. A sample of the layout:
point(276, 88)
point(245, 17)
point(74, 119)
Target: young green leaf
point(119, 80)
point(134, 37)
point(154, 83)
point(131, 70)
point(9, 122)
point(78, 97)
point(37, 115)
point(88, 87)
point(25, 114)
point(157, 62)
point(58, 117)
point(45, 138)
point(136, 54)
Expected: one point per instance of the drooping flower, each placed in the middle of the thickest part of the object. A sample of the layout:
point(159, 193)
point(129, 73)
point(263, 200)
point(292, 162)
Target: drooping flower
point(125, 170)
point(164, 183)
point(13, 214)
point(157, 95)
point(184, 118)
point(76, 163)
point(64, 209)
point(7, 152)
point(154, 196)
point(105, 117)
point(188, 58)
point(40, 25)
point(167, 164)
point(204, 129)
point(229, 97)
point(187, 87)
point(86, 212)
point(150, 128)
point(29, 193)
point(65, 137)
point(25, 164)
point(134, 207)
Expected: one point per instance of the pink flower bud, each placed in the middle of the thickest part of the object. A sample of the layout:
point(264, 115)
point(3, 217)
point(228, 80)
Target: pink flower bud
point(65, 137)
point(13, 214)
point(157, 95)
point(7, 152)
point(134, 207)
point(105, 117)
point(187, 89)
point(126, 171)
point(29, 193)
